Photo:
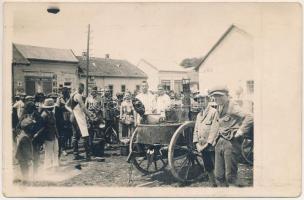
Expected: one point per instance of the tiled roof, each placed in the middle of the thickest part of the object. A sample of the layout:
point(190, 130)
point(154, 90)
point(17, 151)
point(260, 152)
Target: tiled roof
point(45, 53)
point(110, 68)
point(164, 65)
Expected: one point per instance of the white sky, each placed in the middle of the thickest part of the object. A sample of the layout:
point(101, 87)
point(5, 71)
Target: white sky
point(164, 31)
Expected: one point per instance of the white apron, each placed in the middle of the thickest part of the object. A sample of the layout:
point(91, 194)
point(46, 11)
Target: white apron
point(81, 121)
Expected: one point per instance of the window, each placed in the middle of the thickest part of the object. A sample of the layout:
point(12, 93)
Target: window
point(123, 88)
point(137, 87)
point(111, 88)
point(178, 86)
point(250, 87)
point(166, 84)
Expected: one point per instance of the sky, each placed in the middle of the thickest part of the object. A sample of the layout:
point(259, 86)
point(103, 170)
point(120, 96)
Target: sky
point(131, 31)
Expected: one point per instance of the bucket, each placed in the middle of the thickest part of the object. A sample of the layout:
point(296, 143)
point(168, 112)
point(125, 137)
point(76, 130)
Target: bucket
point(98, 148)
point(124, 150)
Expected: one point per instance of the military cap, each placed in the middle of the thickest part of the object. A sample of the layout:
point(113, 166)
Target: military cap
point(219, 89)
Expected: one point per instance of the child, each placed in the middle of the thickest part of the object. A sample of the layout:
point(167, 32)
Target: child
point(24, 152)
point(127, 114)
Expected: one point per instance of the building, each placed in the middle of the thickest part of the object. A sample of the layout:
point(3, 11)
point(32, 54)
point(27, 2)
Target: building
point(43, 69)
point(119, 75)
point(167, 73)
point(230, 62)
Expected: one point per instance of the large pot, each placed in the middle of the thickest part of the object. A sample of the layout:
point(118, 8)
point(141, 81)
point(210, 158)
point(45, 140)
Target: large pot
point(153, 119)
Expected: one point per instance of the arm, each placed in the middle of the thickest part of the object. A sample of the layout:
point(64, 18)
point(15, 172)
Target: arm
point(213, 134)
point(195, 132)
point(246, 118)
point(67, 106)
point(120, 111)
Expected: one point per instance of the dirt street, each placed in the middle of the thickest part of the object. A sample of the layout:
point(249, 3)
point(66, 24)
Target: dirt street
point(115, 171)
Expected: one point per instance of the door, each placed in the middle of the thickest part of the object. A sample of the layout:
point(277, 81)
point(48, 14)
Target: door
point(30, 87)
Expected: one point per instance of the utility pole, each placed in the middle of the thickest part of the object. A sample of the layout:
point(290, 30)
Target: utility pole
point(88, 62)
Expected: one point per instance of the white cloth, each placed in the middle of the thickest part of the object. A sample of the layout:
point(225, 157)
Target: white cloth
point(163, 102)
point(148, 100)
point(80, 118)
point(51, 150)
point(19, 105)
point(81, 121)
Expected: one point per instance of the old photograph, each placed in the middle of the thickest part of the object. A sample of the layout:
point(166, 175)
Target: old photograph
point(136, 95)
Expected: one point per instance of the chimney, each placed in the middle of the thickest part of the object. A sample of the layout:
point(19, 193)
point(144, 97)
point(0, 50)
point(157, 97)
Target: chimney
point(107, 56)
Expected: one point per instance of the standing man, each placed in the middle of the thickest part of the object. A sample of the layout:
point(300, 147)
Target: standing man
point(93, 104)
point(233, 124)
point(78, 118)
point(205, 134)
point(163, 101)
point(147, 98)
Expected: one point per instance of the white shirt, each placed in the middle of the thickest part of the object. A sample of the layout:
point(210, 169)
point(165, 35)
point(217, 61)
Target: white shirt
point(163, 102)
point(19, 105)
point(148, 100)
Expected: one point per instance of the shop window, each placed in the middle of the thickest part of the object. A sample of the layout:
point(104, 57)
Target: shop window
point(111, 88)
point(123, 88)
point(166, 84)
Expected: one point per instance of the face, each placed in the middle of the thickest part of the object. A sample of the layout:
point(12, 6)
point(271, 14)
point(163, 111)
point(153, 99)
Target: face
point(161, 91)
point(203, 102)
point(144, 87)
point(220, 99)
point(80, 89)
point(94, 93)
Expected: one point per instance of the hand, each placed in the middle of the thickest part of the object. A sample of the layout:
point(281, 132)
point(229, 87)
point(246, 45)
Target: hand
point(238, 134)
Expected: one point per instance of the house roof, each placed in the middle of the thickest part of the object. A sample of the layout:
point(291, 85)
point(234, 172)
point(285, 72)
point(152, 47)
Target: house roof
point(110, 68)
point(44, 53)
point(218, 42)
point(164, 65)
point(18, 58)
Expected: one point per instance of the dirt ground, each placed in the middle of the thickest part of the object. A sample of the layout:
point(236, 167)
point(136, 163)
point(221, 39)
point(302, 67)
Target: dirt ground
point(115, 171)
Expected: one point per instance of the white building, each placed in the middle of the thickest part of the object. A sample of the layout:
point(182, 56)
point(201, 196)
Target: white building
point(167, 73)
point(230, 62)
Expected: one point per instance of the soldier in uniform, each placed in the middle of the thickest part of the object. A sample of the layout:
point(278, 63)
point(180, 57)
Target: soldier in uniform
point(233, 124)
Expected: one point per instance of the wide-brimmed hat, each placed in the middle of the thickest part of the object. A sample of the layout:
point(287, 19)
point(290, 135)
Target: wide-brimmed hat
point(29, 98)
point(48, 103)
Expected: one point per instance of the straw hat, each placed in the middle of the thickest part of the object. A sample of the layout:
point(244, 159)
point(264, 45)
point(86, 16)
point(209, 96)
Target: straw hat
point(48, 103)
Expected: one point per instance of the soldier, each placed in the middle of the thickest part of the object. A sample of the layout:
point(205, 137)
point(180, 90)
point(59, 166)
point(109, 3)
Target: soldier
point(205, 134)
point(233, 124)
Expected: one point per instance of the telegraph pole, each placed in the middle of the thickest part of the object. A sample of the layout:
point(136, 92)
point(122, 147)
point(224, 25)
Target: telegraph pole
point(88, 62)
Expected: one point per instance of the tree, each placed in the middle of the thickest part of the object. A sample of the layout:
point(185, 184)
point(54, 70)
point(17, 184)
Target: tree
point(191, 62)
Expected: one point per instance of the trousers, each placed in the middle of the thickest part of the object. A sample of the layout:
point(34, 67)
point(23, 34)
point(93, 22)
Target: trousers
point(227, 154)
point(75, 140)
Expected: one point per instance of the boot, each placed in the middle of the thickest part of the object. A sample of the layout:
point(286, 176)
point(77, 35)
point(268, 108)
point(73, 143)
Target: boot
point(212, 179)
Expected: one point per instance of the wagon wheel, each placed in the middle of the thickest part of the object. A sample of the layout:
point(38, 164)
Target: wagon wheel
point(247, 150)
point(186, 164)
point(148, 159)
